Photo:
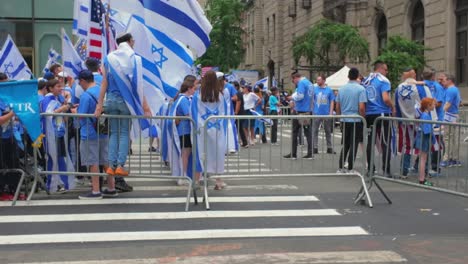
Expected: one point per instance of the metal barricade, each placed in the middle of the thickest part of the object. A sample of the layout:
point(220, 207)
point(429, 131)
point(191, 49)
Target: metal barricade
point(447, 155)
point(267, 161)
point(137, 166)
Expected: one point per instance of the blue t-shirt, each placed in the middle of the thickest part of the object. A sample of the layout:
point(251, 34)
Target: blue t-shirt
point(87, 106)
point(374, 89)
point(304, 90)
point(349, 97)
point(452, 96)
point(232, 90)
point(112, 80)
point(438, 93)
point(273, 101)
point(322, 100)
point(183, 109)
point(426, 128)
point(8, 128)
point(97, 78)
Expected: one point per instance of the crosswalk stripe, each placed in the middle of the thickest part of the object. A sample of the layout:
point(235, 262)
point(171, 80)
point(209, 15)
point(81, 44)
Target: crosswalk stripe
point(239, 199)
point(181, 235)
point(164, 216)
point(229, 187)
point(380, 256)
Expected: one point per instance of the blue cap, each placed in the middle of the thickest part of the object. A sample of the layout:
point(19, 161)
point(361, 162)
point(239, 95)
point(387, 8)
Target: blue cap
point(49, 76)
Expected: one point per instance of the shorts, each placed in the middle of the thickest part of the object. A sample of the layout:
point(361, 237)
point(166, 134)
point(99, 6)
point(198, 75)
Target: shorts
point(422, 142)
point(248, 123)
point(94, 153)
point(185, 141)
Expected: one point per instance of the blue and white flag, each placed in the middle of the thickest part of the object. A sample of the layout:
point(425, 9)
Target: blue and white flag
point(81, 18)
point(184, 21)
point(72, 62)
point(53, 58)
point(81, 48)
point(12, 62)
point(162, 56)
point(264, 81)
point(22, 97)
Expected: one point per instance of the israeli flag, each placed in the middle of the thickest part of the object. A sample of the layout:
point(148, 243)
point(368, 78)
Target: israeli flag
point(184, 21)
point(53, 58)
point(12, 62)
point(264, 81)
point(72, 62)
point(81, 18)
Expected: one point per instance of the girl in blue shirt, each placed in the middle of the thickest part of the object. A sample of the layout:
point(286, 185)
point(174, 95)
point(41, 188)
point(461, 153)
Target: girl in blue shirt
point(424, 138)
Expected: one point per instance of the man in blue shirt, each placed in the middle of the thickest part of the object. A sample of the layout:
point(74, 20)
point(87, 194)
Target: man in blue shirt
point(379, 104)
point(302, 106)
point(93, 146)
point(451, 108)
point(324, 101)
point(351, 100)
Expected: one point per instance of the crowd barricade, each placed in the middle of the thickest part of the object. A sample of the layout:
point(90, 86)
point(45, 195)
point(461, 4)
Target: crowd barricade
point(265, 160)
point(404, 151)
point(138, 165)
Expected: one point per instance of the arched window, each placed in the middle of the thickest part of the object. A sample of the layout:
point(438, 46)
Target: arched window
point(382, 33)
point(461, 41)
point(417, 23)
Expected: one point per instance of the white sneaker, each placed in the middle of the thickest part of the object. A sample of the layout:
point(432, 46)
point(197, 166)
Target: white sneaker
point(182, 182)
point(342, 171)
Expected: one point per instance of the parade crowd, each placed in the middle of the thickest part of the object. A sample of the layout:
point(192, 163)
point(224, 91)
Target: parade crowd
point(104, 146)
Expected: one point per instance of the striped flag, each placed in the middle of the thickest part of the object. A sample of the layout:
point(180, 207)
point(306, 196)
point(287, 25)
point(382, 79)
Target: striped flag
point(12, 62)
point(54, 57)
point(81, 49)
point(96, 30)
point(72, 63)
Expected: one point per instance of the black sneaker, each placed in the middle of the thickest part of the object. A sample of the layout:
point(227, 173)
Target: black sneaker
point(308, 156)
point(122, 186)
point(289, 156)
point(107, 193)
point(91, 196)
point(330, 151)
point(315, 151)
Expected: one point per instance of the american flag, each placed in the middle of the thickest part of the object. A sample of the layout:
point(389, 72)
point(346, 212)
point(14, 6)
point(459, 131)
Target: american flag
point(97, 30)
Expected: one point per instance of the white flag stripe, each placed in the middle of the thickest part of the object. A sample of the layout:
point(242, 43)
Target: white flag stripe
point(181, 235)
point(381, 256)
point(246, 199)
point(72, 62)
point(164, 216)
point(81, 18)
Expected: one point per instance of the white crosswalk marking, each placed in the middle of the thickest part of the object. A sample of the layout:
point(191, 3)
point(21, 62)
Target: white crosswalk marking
point(282, 213)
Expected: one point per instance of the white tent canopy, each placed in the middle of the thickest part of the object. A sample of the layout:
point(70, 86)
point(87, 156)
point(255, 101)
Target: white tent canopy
point(338, 79)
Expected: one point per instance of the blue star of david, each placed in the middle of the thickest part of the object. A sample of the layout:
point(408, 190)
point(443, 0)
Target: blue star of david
point(159, 53)
point(409, 91)
point(7, 67)
point(113, 12)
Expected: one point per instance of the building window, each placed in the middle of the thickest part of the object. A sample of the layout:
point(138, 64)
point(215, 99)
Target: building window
point(382, 33)
point(462, 40)
point(268, 28)
point(274, 27)
point(417, 23)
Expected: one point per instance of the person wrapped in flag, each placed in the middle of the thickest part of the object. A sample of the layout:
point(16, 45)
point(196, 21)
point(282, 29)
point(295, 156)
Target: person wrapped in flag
point(58, 158)
point(230, 96)
point(210, 102)
point(122, 83)
point(180, 145)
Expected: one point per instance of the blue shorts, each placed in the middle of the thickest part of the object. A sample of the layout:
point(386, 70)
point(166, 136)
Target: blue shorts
point(423, 142)
point(248, 123)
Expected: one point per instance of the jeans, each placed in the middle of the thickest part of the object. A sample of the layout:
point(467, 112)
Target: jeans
point(119, 130)
point(352, 136)
point(327, 126)
point(274, 127)
point(296, 127)
point(383, 130)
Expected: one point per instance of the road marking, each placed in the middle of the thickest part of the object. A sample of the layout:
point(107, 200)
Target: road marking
point(382, 256)
point(238, 199)
point(229, 187)
point(164, 216)
point(181, 235)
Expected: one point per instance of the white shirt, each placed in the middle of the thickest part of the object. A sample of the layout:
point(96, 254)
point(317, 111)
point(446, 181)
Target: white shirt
point(250, 100)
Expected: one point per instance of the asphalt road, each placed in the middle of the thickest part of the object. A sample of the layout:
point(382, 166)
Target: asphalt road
point(281, 219)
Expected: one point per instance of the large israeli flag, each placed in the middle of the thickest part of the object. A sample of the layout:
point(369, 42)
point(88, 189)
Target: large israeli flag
point(12, 62)
point(53, 58)
point(81, 18)
point(72, 62)
point(22, 97)
point(162, 56)
point(184, 21)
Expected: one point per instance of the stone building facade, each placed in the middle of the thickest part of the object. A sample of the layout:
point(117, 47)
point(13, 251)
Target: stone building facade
point(442, 25)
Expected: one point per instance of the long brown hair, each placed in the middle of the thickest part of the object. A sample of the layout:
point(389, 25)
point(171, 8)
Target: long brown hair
point(210, 88)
